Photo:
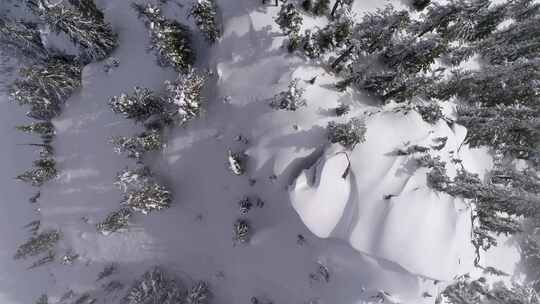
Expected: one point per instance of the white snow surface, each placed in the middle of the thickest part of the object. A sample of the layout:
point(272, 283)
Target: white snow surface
point(403, 245)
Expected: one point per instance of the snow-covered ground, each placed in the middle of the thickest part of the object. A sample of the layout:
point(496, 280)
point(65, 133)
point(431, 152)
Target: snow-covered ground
point(403, 245)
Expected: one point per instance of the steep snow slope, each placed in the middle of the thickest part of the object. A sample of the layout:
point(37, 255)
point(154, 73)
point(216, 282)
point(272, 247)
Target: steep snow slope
point(368, 244)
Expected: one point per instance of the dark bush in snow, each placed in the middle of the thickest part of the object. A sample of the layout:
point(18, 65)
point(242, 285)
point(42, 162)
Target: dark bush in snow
point(347, 134)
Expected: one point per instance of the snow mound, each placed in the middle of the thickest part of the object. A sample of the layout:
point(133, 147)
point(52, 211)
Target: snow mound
point(382, 206)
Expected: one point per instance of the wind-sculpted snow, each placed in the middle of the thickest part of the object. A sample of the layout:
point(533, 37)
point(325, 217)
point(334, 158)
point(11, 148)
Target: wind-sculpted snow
point(383, 206)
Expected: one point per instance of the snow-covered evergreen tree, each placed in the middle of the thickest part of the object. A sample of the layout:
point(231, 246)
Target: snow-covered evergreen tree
point(334, 35)
point(152, 197)
point(17, 37)
point(465, 291)
point(452, 19)
point(515, 42)
point(205, 14)
point(141, 192)
point(391, 85)
point(464, 20)
point(412, 55)
point(45, 87)
point(509, 84)
point(154, 287)
point(375, 32)
point(115, 221)
point(40, 243)
point(170, 40)
point(137, 146)
point(184, 97)
point(290, 100)
point(43, 170)
point(289, 19)
point(127, 180)
point(139, 106)
point(498, 203)
point(347, 134)
point(95, 38)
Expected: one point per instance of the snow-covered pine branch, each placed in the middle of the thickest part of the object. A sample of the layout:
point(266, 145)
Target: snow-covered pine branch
point(154, 287)
point(95, 38)
point(137, 146)
point(141, 192)
point(45, 87)
point(151, 197)
point(22, 38)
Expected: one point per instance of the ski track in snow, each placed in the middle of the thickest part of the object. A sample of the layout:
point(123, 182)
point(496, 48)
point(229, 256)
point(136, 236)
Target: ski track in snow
point(193, 239)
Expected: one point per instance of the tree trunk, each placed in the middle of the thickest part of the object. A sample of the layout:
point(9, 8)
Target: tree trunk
point(343, 56)
point(334, 9)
